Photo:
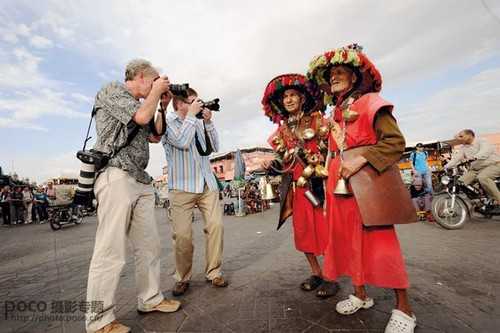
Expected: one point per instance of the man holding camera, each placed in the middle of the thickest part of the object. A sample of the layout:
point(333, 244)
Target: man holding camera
point(125, 196)
point(188, 142)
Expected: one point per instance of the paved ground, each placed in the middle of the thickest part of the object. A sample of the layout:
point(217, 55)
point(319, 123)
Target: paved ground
point(454, 274)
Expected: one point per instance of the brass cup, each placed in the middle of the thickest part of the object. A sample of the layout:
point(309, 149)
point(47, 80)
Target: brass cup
point(321, 171)
point(301, 182)
point(308, 171)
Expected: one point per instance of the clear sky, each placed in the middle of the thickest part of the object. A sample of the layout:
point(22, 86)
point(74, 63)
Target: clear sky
point(440, 62)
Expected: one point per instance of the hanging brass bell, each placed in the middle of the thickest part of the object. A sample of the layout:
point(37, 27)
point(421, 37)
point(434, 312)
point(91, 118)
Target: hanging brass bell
point(301, 182)
point(308, 171)
point(268, 192)
point(342, 188)
point(308, 134)
point(321, 171)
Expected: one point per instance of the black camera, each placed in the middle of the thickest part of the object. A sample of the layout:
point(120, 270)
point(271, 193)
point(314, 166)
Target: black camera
point(179, 89)
point(212, 105)
point(92, 162)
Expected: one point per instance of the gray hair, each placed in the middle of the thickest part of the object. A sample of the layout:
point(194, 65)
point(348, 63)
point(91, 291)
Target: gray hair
point(137, 66)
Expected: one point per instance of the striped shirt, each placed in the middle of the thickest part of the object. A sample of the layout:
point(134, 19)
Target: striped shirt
point(188, 171)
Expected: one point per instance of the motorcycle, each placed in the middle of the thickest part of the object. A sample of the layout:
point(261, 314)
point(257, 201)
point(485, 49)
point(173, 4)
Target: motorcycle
point(60, 215)
point(453, 207)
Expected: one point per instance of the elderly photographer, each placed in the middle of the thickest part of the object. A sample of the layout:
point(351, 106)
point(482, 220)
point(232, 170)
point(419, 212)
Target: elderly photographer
point(188, 142)
point(125, 196)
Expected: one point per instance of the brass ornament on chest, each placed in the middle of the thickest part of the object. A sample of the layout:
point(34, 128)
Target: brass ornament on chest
point(323, 131)
point(308, 134)
point(277, 140)
point(288, 155)
point(322, 145)
point(313, 159)
point(281, 148)
point(350, 115)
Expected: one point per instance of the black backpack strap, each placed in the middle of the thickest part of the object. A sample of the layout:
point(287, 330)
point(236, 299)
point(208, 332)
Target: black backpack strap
point(152, 125)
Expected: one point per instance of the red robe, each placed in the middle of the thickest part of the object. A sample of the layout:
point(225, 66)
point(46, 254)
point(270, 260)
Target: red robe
point(369, 255)
point(310, 227)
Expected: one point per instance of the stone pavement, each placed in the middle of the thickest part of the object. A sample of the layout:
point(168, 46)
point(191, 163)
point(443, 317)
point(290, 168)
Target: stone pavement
point(454, 276)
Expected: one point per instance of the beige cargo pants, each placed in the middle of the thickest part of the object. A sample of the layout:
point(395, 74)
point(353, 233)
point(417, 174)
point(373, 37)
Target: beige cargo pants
point(125, 211)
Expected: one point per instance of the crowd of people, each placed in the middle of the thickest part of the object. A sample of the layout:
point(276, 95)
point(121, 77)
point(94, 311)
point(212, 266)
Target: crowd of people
point(26, 204)
point(252, 198)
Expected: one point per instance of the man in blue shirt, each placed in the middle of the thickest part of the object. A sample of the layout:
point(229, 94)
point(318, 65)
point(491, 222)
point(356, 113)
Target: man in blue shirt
point(419, 165)
point(188, 143)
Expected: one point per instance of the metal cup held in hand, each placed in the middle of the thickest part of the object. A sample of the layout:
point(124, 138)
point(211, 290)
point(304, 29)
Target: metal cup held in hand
point(342, 188)
point(312, 198)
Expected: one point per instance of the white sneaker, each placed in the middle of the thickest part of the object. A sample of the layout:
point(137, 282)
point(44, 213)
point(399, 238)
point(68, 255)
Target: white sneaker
point(353, 304)
point(400, 322)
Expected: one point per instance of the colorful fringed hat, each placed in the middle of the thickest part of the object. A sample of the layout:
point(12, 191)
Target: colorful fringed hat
point(272, 102)
point(369, 78)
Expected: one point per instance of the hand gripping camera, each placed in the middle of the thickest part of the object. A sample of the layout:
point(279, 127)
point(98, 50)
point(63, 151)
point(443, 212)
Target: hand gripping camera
point(212, 105)
point(178, 89)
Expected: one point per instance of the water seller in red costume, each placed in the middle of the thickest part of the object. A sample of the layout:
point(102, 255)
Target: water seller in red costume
point(360, 117)
point(301, 145)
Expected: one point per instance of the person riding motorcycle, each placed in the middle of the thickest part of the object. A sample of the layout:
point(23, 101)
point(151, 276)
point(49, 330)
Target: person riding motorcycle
point(485, 163)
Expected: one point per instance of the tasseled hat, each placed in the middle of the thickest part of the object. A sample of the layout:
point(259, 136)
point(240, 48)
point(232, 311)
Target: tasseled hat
point(272, 100)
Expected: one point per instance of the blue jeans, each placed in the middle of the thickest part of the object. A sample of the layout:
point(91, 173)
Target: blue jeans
point(427, 178)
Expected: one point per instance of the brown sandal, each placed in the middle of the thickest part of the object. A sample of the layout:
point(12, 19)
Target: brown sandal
point(311, 283)
point(180, 288)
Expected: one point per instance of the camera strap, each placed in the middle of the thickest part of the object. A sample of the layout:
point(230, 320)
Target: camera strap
point(132, 130)
point(200, 149)
point(152, 125)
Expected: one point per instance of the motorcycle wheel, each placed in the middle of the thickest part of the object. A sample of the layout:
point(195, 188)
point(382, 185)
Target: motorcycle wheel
point(447, 217)
point(54, 225)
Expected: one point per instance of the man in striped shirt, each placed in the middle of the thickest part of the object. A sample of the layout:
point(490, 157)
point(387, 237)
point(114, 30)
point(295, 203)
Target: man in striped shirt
point(188, 142)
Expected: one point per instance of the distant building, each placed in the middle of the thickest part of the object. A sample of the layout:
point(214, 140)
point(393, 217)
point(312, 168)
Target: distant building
point(223, 163)
point(493, 138)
